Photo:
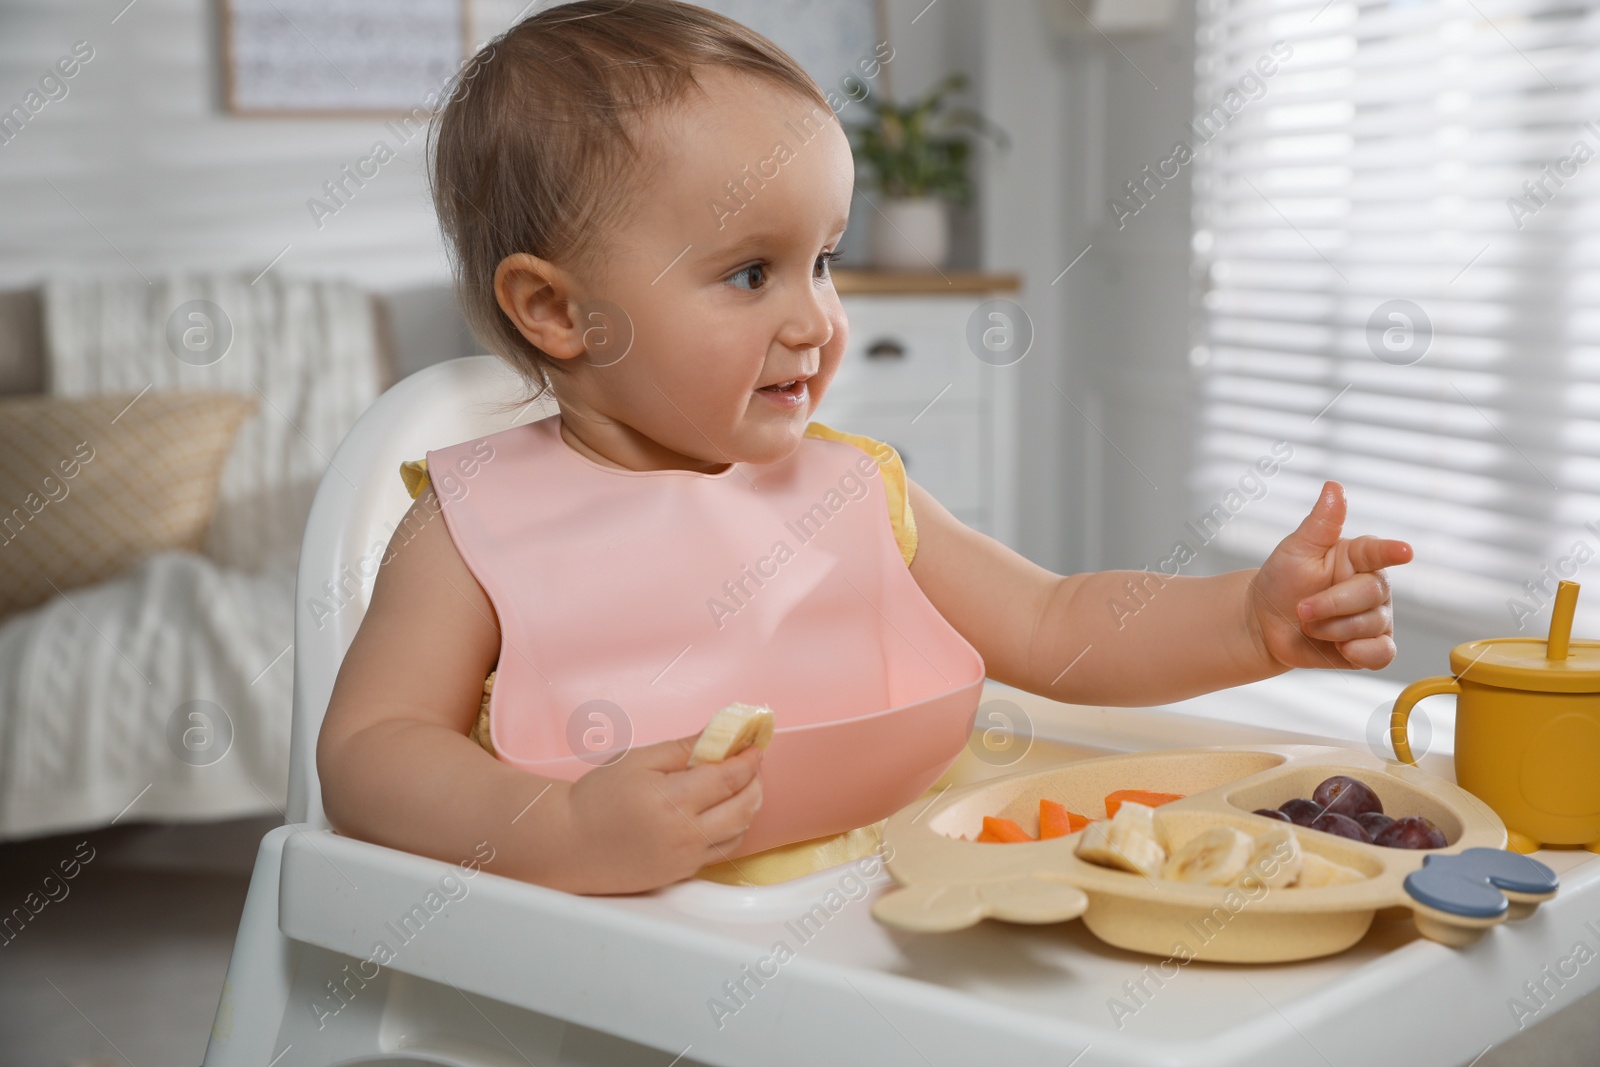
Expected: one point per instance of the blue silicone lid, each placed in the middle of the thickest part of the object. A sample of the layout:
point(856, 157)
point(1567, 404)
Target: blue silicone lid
point(1469, 883)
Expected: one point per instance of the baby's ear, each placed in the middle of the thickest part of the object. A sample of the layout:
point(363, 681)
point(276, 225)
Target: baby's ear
point(537, 296)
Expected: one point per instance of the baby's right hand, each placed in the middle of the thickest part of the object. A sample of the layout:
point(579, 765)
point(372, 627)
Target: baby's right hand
point(649, 819)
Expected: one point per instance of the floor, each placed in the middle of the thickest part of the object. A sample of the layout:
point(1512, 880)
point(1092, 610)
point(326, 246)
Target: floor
point(123, 966)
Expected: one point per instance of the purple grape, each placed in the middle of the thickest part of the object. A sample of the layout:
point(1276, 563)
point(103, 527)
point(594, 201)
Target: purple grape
point(1373, 821)
point(1413, 831)
point(1341, 826)
point(1272, 813)
point(1301, 812)
point(1343, 795)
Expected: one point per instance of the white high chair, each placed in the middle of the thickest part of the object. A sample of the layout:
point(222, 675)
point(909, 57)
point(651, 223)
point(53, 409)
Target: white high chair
point(487, 971)
point(291, 997)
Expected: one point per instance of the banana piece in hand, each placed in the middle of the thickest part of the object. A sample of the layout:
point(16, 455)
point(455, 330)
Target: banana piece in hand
point(1126, 841)
point(731, 731)
point(1214, 857)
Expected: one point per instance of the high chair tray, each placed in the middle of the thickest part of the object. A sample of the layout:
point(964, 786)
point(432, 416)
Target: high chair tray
point(650, 968)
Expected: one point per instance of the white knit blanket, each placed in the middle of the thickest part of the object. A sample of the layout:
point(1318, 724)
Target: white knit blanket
point(306, 350)
point(95, 692)
point(92, 683)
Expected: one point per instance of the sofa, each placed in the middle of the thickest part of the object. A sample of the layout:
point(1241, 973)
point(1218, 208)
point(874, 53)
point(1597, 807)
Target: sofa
point(146, 619)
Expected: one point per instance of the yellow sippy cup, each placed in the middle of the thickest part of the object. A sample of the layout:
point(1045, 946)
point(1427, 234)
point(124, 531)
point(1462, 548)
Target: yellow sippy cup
point(1527, 729)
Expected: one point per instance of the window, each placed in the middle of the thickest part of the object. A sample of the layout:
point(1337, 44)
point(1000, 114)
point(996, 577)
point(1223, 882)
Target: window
point(1397, 254)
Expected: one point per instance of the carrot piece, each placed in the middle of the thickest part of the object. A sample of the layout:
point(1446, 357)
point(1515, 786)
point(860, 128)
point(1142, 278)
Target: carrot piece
point(1056, 821)
point(1002, 831)
point(1138, 796)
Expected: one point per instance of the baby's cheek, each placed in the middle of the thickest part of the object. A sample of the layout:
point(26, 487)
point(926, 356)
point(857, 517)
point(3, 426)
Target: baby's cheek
point(831, 356)
point(841, 337)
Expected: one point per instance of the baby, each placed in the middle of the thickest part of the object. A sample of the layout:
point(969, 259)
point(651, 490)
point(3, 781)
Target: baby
point(643, 199)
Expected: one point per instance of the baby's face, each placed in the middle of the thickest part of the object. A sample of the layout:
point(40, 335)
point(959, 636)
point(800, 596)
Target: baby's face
point(727, 294)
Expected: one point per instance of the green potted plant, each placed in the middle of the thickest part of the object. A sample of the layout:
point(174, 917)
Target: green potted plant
point(917, 156)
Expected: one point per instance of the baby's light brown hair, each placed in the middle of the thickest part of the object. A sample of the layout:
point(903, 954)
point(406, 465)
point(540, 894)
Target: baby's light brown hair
point(538, 148)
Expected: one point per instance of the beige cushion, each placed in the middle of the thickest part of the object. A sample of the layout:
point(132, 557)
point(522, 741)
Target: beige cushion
point(89, 487)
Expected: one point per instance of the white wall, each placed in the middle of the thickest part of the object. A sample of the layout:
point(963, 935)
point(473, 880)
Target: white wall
point(153, 174)
point(1023, 229)
point(1127, 430)
point(1104, 429)
point(150, 174)
point(140, 170)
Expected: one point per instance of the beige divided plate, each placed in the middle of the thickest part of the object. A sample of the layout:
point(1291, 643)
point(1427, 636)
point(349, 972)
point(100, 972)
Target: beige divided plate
point(946, 882)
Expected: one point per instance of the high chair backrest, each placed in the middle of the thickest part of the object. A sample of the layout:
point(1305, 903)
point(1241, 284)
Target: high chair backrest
point(360, 501)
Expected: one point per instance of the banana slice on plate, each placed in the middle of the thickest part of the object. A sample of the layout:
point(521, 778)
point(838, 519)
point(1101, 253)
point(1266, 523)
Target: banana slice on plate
point(1126, 841)
point(1316, 872)
point(1213, 857)
point(731, 731)
point(1275, 859)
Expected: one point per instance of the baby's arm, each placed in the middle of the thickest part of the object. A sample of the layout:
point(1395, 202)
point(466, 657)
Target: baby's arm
point(1319, 601)
point(398, 768)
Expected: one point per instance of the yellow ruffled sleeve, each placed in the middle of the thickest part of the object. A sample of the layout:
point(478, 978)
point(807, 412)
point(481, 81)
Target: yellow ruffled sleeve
point(894, 483)
point(414, 472)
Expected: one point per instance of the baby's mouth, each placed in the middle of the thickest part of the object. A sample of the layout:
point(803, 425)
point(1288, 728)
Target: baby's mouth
point(791, 387)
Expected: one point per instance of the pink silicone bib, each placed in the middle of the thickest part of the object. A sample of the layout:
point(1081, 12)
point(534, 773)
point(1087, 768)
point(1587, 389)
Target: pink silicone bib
point(634, 604)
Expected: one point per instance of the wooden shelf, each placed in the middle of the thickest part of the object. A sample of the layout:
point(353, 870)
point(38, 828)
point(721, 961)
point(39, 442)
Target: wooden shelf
point(853, 282)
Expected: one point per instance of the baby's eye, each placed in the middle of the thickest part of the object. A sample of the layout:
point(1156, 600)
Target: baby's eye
point(758, 269)
point(828, 259)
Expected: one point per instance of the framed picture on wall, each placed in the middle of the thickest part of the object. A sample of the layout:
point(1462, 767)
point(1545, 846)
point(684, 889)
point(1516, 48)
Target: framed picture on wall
point(339, 57)
point(364, 57)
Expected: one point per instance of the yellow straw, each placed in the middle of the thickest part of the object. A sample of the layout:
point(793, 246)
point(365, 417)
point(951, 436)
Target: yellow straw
point(1561, 621)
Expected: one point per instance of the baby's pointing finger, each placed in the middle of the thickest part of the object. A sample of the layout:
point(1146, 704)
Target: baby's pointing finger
point(1369, 553)
point(1352, 596)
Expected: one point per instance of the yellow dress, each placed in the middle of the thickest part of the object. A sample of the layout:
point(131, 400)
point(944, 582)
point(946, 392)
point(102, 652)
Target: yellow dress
point(789, 861)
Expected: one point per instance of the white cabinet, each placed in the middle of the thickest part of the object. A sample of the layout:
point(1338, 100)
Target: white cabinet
point(910, 378)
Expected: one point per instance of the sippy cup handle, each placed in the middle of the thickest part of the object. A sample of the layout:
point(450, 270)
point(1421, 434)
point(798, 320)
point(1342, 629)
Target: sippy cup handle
point(1403, 704)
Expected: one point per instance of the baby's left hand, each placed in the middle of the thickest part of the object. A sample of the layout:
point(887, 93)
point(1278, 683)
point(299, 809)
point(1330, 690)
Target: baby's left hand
point(1322, 600)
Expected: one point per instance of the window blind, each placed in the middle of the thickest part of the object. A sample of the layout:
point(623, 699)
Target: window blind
point(1397, 264)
